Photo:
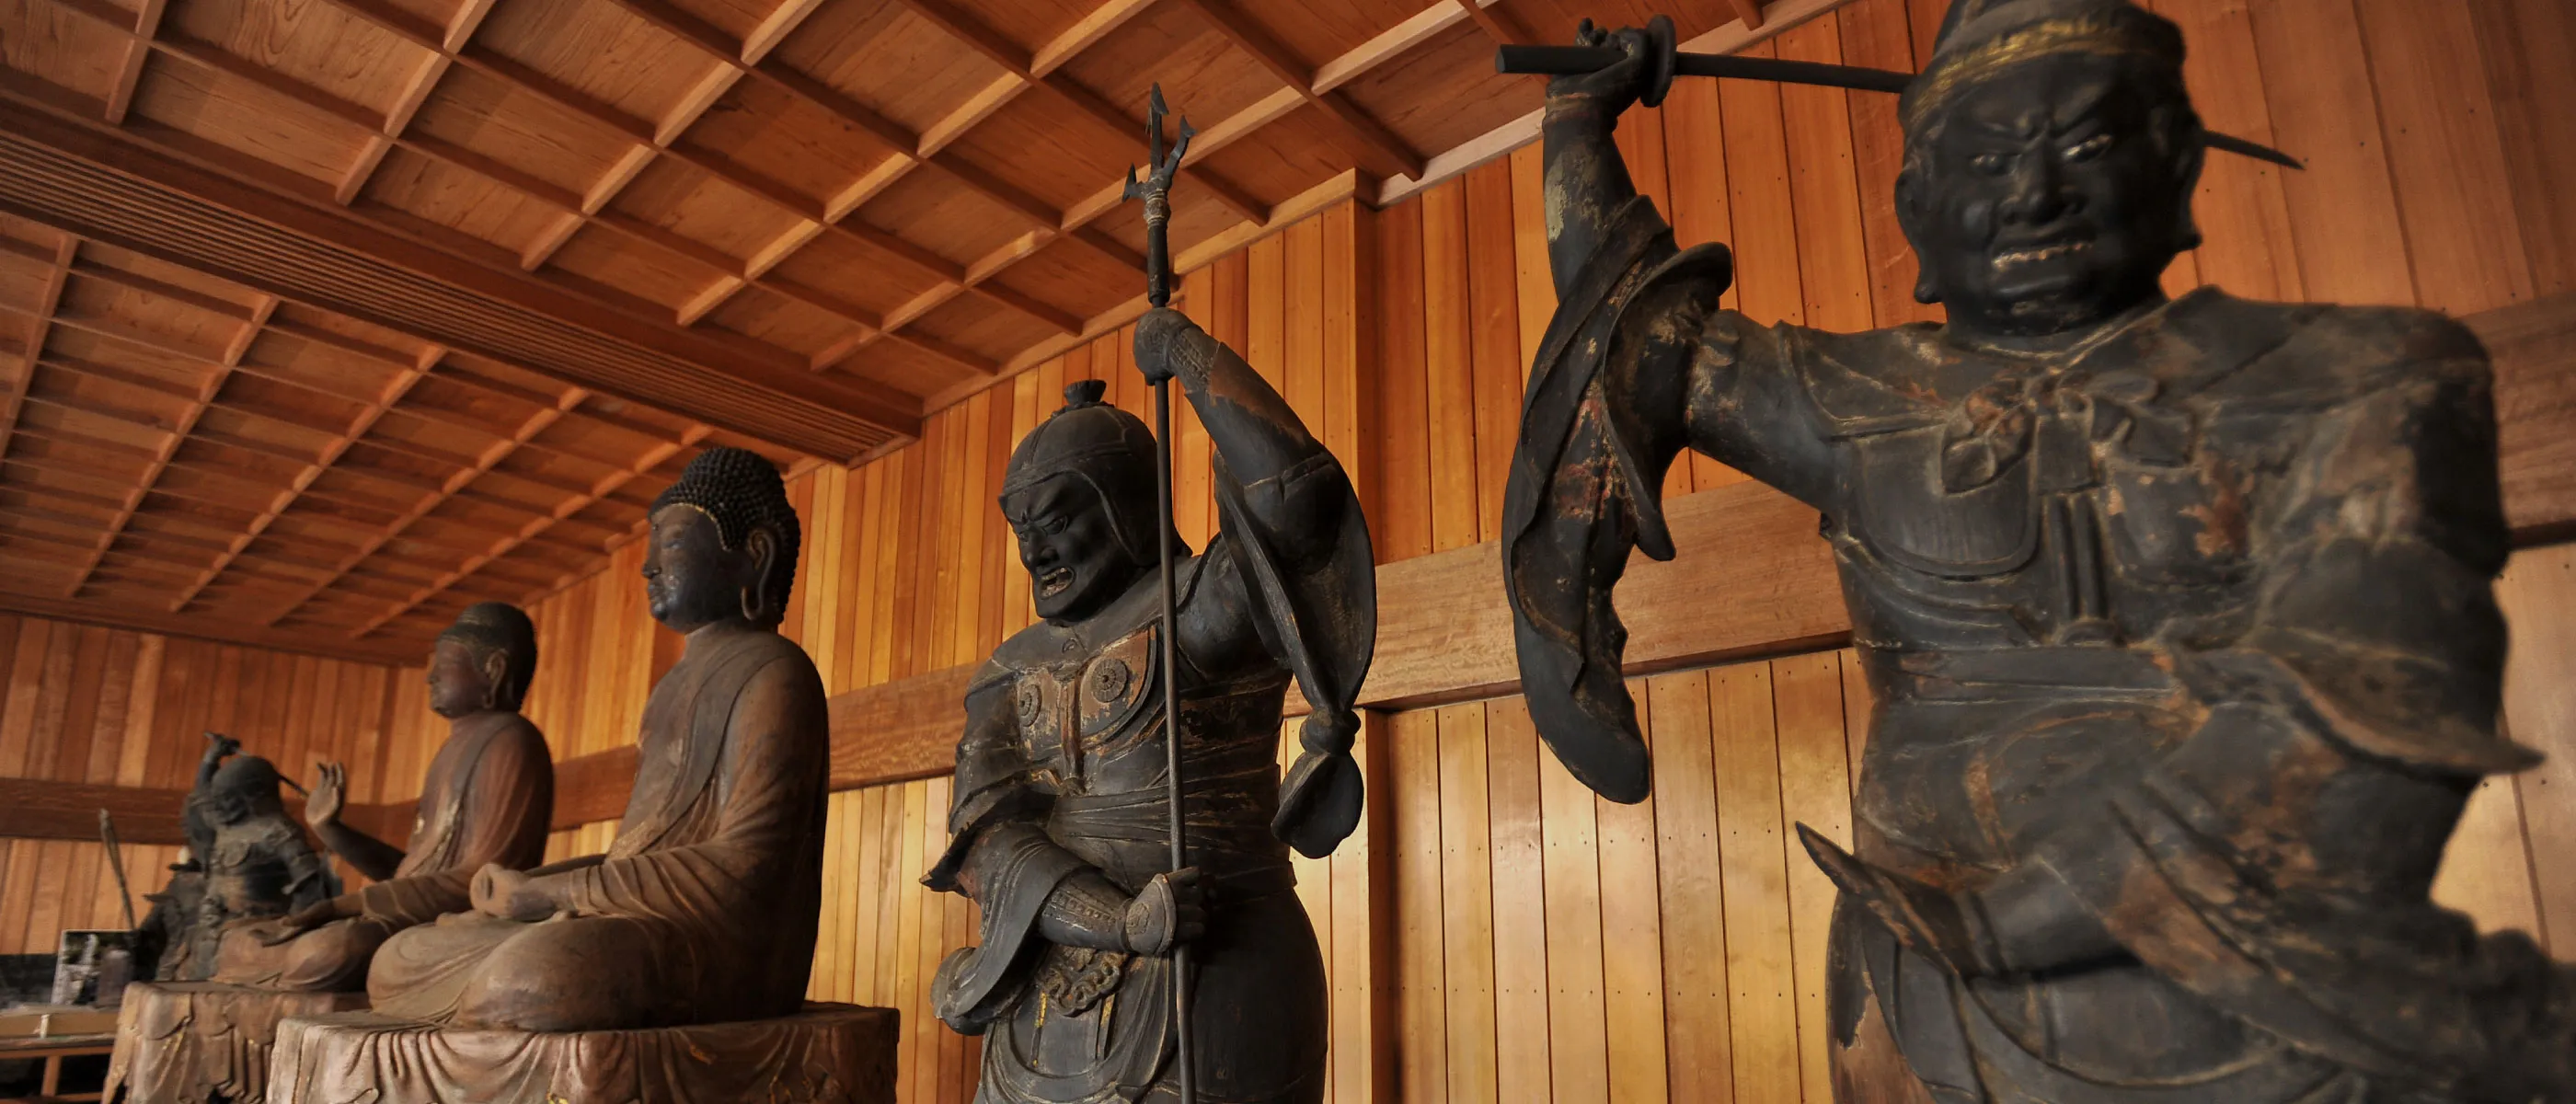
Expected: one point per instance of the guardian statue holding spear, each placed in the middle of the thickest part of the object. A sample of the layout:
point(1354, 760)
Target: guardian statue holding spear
point(1119, 812)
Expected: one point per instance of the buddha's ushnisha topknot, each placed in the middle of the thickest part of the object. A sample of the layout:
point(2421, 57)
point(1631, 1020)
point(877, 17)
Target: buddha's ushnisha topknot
point(741, 491)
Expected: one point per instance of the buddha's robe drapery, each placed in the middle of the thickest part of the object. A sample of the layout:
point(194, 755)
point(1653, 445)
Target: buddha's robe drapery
point(704, 909)
point(487, 799)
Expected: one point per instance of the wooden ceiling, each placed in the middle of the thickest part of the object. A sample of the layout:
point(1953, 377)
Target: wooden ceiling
point(332, 316)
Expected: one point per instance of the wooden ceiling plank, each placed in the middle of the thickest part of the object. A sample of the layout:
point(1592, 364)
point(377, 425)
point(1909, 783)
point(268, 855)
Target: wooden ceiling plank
point(651, 459)
point(1085, 33)
point(416, 91)
point(1377, 147)
point(1507, 31)
point(944, 351)
point(966, 28)
point(129, 75)
point(358, 426)
point(528, 428)
point(1064, 321)
point(1748, 11)
point(1356, 63)
point(204, 400)
point(828, 417)
point(48, 304)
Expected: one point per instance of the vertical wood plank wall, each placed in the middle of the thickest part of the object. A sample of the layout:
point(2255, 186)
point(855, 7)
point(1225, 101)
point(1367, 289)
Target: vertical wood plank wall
point(1547, 945)
point(82, 703)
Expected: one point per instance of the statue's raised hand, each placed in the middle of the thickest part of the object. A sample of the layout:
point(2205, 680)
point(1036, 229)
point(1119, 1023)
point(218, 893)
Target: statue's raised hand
point(330, 794)
point(1615, 86)
point(509, 894)
point(1166, 913)
point(221, 745)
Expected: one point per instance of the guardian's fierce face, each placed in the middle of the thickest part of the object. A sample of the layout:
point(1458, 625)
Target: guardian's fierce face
point(2050, 196)
point(1070, 547)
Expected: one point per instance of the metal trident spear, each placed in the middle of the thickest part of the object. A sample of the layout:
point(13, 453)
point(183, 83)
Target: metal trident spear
point(1156, 191)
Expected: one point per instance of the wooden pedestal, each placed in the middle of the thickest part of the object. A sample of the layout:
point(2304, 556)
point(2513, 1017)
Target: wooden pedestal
point(190, 1042)
point(825, 1054)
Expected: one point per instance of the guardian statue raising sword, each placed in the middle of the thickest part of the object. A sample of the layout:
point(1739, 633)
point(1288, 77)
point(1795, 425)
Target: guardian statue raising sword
point(1074, 758)
point(2177, 611)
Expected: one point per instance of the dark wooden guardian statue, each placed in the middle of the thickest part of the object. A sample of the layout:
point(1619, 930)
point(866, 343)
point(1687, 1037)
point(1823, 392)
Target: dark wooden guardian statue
point(1059, 823)
point(2177, 611)
point(252, 860)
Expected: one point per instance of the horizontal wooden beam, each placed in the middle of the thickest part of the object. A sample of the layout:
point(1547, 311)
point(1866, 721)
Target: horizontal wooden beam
point(391, 651)
point(35, 808)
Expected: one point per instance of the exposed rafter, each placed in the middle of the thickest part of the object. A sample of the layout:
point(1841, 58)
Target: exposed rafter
point(502, 547)
point(1378, 149)
point(203, 400)
point(65, 253)
point(357, 429)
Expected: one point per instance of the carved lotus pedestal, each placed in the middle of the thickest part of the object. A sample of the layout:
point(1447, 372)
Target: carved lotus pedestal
point(191, 1042)
point(826, 1054)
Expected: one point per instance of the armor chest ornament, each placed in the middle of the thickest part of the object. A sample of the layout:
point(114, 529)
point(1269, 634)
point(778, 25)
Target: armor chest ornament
point(2049, 490)
point(1084, 707)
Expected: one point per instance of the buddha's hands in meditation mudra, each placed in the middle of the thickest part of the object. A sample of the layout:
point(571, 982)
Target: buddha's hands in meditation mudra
point(510, 895)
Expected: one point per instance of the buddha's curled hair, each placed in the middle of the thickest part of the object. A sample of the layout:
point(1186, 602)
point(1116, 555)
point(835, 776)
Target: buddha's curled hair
point(741, 491)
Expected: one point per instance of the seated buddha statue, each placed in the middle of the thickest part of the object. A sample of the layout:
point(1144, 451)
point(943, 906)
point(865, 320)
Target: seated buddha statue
point(704, 909)
point(486, 800)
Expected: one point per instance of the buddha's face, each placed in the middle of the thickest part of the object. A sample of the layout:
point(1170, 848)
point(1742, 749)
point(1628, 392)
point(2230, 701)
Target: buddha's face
point(2053, 197)
point(1070, 548)
point(691, 580)
point(459, 681)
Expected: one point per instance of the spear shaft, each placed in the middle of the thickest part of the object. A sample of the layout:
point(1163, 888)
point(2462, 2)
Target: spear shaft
point(1156, 191)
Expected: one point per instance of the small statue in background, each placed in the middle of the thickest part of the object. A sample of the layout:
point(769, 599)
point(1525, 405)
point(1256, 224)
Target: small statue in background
point(254, 862)
point(2177, 611)
point(487, 799)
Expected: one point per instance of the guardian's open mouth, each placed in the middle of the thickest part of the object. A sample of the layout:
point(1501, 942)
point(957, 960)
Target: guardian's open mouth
point(2037, 253)
point(1053, 580)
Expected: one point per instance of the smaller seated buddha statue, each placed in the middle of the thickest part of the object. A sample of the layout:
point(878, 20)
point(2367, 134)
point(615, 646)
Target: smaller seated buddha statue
point(486, 800)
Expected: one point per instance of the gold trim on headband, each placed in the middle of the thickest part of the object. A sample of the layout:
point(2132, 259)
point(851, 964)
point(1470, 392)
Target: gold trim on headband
point(2103, 35)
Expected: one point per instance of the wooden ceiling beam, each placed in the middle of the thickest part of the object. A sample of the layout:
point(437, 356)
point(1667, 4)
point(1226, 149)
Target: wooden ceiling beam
point(431, 414)
point(649, 461)
point(357, 428)
point(1377, 148)
point(48, 303)
point(965, 28)
point(195, 206)
point(129, 72)
point(655, 140)
point(910, 150)
point(492, 456)
point(1086, 32)
point(203, 400)
point(1350, 66)
point(389, 651)
point(415, 92)
point(396, 360)
point(1501, 27)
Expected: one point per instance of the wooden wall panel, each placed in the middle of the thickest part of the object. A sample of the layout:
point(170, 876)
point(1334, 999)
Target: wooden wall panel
point(111, 707)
